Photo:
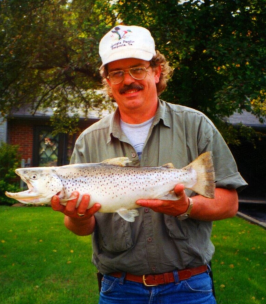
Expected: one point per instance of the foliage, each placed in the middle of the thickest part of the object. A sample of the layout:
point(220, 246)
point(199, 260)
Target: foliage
point(217, 47)
point(42, 262)
point(49, 54)
point(98, 103)
point(9, 161)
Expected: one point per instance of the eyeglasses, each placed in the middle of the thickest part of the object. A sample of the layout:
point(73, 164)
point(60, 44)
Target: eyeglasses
point(138, 73)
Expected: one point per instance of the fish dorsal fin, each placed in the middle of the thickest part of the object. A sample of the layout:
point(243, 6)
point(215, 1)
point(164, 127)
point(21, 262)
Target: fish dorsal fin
point(168, 166)
point(118, 161)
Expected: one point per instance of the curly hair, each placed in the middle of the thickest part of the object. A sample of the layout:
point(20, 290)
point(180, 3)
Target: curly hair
point(158, 59)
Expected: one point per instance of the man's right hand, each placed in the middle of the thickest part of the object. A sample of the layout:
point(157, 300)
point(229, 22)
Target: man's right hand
point(70, 208)
point(79, 220)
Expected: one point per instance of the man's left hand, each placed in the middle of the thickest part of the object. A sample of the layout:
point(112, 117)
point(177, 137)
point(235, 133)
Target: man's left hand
point(173, 208)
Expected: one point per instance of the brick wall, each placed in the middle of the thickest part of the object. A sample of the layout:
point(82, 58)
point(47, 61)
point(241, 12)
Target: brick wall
point(20, 132)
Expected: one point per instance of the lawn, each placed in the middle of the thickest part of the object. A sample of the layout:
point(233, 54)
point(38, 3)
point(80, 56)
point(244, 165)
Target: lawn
point(42, 262)
point(239, 263)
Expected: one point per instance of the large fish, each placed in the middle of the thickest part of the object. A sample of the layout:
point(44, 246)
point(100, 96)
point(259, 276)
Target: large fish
point(115, 185)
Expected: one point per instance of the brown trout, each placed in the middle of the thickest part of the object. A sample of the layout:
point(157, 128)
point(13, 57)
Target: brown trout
point(115, 185)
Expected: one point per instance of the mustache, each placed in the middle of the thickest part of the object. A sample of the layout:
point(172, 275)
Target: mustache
point(132, 86)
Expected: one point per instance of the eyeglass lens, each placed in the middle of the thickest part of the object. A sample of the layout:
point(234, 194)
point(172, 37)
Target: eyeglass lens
point(138, 73)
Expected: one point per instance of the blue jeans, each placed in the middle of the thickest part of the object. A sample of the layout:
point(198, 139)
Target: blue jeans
point(196, 290)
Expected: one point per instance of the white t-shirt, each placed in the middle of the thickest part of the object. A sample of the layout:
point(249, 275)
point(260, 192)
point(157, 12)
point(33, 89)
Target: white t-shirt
point(137, 134)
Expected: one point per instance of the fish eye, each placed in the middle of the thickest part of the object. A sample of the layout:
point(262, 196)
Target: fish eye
point(33, 176)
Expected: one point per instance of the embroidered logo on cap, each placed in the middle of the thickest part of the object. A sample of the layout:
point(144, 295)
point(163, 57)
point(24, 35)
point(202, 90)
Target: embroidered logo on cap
point(121, 35)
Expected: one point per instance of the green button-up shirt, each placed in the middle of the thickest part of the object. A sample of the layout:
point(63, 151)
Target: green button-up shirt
point(155, 242)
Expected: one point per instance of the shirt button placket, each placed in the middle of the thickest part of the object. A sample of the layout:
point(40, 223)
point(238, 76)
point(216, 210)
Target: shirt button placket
point(133, 154)
point(151, 252)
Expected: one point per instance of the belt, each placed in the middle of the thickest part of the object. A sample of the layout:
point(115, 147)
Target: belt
point(163, 278)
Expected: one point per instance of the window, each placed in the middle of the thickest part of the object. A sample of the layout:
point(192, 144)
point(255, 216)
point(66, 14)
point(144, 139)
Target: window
point(49, 150)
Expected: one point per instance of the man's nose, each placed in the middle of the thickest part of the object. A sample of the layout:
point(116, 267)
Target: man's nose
point(128, 78)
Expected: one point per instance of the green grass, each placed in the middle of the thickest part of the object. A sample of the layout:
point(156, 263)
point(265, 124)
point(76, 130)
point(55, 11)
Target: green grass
point(42, 262)
point(239, 263)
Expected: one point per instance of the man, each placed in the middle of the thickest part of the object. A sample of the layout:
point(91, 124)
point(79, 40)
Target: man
point(162, 257)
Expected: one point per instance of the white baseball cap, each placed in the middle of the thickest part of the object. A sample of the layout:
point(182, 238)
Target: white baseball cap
point(127, 42)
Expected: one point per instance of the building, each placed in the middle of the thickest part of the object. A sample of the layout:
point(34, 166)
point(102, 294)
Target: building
point(34, 136)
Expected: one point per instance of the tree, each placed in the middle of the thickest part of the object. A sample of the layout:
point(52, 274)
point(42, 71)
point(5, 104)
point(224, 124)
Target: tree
point(10, 159)
point(49, 55)
point(217, 48)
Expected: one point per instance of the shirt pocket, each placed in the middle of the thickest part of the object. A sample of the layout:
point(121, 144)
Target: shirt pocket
point(176, 229)
point(114, 233)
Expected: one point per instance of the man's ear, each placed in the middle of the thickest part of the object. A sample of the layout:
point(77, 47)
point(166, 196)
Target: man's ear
point(106, 73)
point(158, 71)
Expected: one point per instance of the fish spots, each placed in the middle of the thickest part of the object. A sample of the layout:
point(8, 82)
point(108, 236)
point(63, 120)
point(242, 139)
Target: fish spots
point(109, 184)
point(116, 187)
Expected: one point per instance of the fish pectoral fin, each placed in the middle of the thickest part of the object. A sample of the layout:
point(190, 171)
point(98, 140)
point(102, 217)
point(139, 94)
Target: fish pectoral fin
point(170, 196)
point(118, 161)
point(128, 215)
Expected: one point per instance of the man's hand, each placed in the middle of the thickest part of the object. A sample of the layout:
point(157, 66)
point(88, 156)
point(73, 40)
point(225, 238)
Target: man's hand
point(70, 208)
point(79, 220)
point(173, 208)
point(224, 205)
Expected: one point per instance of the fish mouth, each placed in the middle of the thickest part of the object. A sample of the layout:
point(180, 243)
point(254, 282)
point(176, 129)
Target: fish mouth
point(25, 197)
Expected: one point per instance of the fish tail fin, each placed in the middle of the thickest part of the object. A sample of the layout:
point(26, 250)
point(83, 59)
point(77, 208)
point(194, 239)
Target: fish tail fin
point(203, 165)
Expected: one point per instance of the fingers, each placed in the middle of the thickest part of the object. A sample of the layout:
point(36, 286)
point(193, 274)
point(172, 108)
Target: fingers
point(70, 208)
point(170, 207)
point(55, 204)
point(74, 208)
point(150, 203)
point(179, 190)
point(84, 204)
point(90, 212)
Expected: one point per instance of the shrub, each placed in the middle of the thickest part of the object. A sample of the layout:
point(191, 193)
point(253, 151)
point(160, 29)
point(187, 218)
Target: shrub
point(9, 160)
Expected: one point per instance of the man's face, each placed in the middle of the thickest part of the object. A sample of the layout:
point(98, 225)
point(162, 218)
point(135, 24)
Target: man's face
point(131, 94)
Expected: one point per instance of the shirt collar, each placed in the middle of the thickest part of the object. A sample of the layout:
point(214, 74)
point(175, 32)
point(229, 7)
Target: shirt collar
point(161, 115)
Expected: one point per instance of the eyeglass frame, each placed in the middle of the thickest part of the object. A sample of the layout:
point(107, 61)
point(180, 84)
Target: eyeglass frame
point(128, 71)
